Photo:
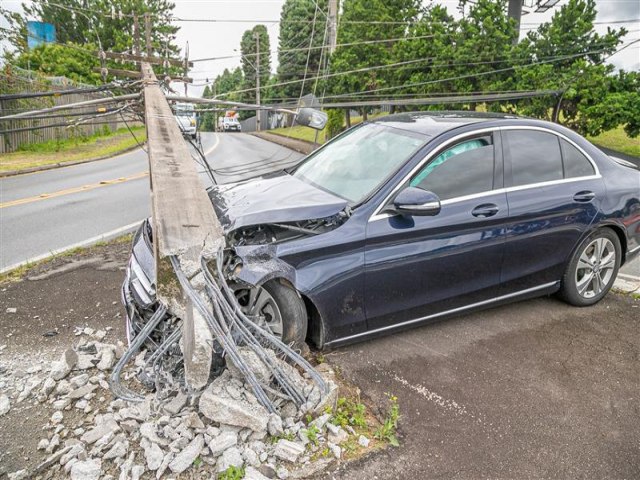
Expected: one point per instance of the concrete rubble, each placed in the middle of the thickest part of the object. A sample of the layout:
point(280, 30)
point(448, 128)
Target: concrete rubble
point(90, 434)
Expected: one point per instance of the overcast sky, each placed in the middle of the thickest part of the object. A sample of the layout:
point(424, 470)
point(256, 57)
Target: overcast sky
point(222, 39)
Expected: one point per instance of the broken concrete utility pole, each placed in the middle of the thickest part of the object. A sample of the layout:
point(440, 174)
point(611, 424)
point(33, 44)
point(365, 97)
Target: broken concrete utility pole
point(184, 224)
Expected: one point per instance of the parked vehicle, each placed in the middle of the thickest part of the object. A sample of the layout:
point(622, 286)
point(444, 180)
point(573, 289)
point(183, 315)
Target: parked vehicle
point(416, 217)
point(186, 118)
point(230, 124)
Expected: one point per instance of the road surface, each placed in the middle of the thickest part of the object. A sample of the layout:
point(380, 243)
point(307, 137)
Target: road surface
point(52, 210)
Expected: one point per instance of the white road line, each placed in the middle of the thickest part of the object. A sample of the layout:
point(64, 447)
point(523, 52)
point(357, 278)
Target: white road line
point(85, 243)
point(215, 145)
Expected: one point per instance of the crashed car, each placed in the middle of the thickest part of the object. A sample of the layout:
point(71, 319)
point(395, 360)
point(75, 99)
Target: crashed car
point(415, 217)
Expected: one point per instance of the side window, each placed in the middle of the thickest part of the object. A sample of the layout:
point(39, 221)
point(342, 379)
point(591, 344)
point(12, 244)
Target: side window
point(535, 156)
point(575, 163)
point(464, 169)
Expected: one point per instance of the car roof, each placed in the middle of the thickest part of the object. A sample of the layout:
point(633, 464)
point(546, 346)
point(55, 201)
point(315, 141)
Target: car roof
point(434, 123)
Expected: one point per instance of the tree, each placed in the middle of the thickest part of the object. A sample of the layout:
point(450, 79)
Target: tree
point(303, 34)
point(574, 56)
point(358, 25)
point(249, 61)
point(106, 22)
point(61, 61)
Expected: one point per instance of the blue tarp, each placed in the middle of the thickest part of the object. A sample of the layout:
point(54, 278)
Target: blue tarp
point(39, 33)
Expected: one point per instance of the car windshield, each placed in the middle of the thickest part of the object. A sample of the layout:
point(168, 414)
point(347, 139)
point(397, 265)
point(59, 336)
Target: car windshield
point(357, 163)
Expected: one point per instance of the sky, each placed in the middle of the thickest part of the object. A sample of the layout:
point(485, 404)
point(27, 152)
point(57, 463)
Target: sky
point(223, 39)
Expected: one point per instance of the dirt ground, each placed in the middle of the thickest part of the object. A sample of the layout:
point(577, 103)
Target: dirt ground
point(82, 290)
point(531, 390)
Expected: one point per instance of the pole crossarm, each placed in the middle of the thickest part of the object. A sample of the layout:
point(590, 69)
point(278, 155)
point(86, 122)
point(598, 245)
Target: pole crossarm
point(143, 58)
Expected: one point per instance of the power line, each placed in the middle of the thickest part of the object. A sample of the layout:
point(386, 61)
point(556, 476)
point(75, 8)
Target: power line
point(392, 65)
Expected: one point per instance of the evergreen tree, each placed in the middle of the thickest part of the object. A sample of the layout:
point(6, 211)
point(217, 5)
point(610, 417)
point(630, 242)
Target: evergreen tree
point(300, 46)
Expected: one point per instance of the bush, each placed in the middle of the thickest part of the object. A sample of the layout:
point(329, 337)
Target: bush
point(335, 123)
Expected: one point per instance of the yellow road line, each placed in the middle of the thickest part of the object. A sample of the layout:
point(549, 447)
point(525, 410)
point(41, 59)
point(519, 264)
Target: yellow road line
point(69, 191)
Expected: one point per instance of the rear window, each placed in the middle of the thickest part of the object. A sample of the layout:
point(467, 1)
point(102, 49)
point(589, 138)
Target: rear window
point(575, 163)
point(535, 156)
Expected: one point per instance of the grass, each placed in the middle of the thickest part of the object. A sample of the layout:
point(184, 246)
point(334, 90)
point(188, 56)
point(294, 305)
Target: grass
point(70, 150)
point(232, 473)
point(387, 431)
point(618, 140)
point(307, 134)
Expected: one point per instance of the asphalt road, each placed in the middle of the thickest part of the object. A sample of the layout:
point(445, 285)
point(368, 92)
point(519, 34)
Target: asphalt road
point(54, 209)
point(536, 389)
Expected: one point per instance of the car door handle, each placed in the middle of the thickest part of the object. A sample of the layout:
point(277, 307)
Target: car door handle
point(485, 210)
point(584, 197)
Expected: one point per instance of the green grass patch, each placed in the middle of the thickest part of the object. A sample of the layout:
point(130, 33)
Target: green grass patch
point(73, 149)
point(618, 140)
point(387, 431)
point(232, 473)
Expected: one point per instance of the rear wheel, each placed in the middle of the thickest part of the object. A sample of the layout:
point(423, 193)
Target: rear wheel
point(278, 308)
point(592, 270)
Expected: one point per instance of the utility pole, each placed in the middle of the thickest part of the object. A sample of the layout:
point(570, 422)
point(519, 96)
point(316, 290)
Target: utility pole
point(333, 25)
point(136, 36)
point(147, 32)
point(515, 12)
point(257, 36)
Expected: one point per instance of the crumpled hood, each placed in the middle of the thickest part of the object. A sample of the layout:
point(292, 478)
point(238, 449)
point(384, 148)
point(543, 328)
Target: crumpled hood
point(276, 198)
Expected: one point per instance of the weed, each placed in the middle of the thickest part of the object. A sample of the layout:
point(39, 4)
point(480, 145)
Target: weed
point(286, 436)
point(349, 412)
point(197, 462)
point(312, 434)
point(232, 473)
point(321, 358)
point(387, 431)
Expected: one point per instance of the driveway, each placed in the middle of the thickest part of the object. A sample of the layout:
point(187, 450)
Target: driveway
point(531, 390)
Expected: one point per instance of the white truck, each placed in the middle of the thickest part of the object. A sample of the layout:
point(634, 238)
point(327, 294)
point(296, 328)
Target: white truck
point(185, 115)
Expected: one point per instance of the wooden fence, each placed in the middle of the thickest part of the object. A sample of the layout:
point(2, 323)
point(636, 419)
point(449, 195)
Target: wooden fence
point(16, 133)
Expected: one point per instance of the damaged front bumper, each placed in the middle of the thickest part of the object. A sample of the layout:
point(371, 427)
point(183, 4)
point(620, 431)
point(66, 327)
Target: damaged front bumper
point(139, 289)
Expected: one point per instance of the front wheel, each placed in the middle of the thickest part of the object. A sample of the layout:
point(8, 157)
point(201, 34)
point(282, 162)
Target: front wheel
point(592, 270)
point(278, 308)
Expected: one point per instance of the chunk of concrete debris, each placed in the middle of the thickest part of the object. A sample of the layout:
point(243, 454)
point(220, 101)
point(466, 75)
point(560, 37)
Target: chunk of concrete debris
point(363, 441)
point(48, 386)
point(335, 450)
point(118, 450)
point(185, 458)
point(251, 473)
point(136, 472)
point(62, 367)
point(274, 426)
point(107, 427)
point(107, 359)
point(230, 458)
point(176, 404)
point(11, 310)
point(87, 470)
point(57, 417)
point(153, 455)
point(82, 391)
point(257, 366)
point(222, 442)
point(287, 450)
point(20, 474)
point(217, 405)
point(336, 434)
point(5, 405)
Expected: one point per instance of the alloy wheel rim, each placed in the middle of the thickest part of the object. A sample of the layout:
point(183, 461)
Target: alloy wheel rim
point(595, 267)
point(261, 307)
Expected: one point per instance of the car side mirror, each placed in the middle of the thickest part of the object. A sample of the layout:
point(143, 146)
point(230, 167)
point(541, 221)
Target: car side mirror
point(310, 117)
point(415, 201)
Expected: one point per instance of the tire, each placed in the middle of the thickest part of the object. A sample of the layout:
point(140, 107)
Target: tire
point(284, 302)
point(592, 270)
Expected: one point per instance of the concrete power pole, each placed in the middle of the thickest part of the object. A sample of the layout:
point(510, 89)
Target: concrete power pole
point(515, 12)
point(333, 25)
point(136, 36)
point(257, 37)
point(147, 33)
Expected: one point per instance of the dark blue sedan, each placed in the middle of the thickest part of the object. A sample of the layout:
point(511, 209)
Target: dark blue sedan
point(415, 217)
